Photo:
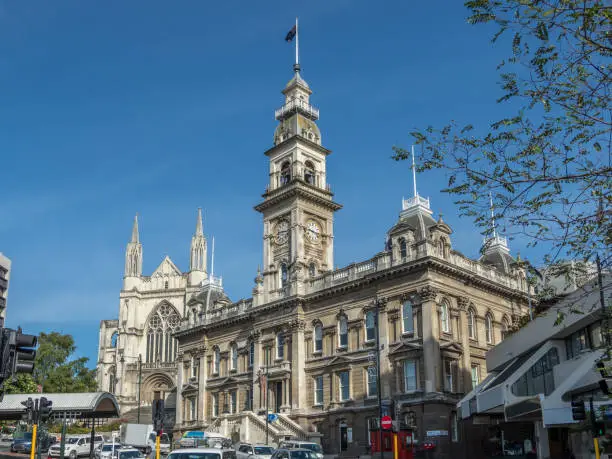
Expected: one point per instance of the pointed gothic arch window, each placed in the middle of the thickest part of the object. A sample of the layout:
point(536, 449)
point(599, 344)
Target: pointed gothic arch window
point(161, 345)
point(309, 171)
point(471, 319)
point(285, 176)
point(114, 339)
point(403, 248)
point(505, 327)
point(489, 328)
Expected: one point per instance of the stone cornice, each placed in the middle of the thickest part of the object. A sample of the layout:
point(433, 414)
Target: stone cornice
point(301, 190)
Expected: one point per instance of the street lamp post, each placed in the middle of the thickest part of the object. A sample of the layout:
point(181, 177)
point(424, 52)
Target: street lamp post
point(139, 383)
point(378, 385)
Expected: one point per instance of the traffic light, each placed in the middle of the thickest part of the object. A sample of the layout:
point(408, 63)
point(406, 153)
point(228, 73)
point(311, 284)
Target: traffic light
point(29, 408)
point(599, 429)
point(158, 416)
point(603, 383)
point(578, 411)
point(44, 409)
point(24, 352)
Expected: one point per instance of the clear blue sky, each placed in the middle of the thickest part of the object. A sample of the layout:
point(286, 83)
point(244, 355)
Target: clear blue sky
point(112, 108)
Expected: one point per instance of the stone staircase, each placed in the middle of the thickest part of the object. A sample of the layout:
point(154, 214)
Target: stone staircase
point(248, 427)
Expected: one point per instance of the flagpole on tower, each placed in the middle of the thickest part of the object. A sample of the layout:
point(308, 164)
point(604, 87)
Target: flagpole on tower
point(297, 46)
point(414, 186)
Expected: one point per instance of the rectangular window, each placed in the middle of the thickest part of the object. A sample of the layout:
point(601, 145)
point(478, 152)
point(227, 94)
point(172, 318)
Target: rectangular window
point(450, 375)
point(195, 364)
point(370, 326)
point(215, 405)
point(371, 378)
point(252, 354)
point(318, 394)
point(407, 319)
point(410, 377)
point(192, 409)
point(343, 379)
point(233, 399)
point(280, 346)
point(475, 375)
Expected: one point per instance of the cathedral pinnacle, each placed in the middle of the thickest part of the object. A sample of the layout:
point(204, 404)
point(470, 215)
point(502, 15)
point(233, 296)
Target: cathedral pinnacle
point(199, 225)
point(135, 236)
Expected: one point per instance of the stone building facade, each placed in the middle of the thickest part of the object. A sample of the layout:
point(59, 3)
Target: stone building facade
point(137, 351)
point(304, 345)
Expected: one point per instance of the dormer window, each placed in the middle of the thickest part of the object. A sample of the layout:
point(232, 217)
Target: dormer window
point(309, 170)
point(285, 177)
point(403, 248)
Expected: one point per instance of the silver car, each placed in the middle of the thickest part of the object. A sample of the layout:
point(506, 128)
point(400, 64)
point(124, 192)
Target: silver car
point(248, 451)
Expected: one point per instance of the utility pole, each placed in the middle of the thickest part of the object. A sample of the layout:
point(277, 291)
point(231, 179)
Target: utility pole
point(378, 385)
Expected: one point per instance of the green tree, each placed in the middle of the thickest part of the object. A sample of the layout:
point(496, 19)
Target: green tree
point(547, 163)
point(54, 370)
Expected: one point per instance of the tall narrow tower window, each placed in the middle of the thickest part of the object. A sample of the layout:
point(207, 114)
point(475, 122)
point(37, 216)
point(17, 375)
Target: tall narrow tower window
point(309, 173)
point(285, 177)
point(312, 270)
point(284, 275)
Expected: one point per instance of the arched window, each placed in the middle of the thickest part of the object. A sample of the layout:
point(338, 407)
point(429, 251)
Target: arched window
point(114, 338)
point(284, 275)
point(280, 345)
point(489, 328)
point(318, 338)
point(471, 319)
point(505, 327)
point(112, 381)
point(312, 269)
point(342, 331)
point(285, 176)
point(444, 319)
point(407, 319)
point(216, 360)
point(370, 326)
point(309, 172)
point(251, 353)
point(403, 248)
point(234, 352)
point(161, 345)
point(441, 247)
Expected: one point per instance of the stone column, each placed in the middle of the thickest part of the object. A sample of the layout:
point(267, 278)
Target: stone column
point(298, 376)
point(257, 365)
point(462, 303)
point(179, 384)
point(431, 343)
point(383, 329)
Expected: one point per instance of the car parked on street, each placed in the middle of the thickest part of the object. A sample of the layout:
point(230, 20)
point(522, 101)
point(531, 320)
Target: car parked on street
point(249, 451)
point(76, 445)
point(285, 453)
point(297, 444)
point(202, 453)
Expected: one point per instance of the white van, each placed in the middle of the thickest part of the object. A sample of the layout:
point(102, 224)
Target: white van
point(76, 445)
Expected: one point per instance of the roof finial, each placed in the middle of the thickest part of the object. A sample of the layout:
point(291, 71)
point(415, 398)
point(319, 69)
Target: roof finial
point(414, 174)
point(199, 225)
point(135, 236)
point(492, 215)
point(212, 259)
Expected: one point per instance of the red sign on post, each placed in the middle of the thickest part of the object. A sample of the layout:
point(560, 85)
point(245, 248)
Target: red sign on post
point(386, 422)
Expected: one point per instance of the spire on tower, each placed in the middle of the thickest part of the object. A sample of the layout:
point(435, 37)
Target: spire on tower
point(135, 235)
point(496, 241)
point(133, 253)
point(199, 225)
point(197, 265)
point(414, 174)
point(492, 214)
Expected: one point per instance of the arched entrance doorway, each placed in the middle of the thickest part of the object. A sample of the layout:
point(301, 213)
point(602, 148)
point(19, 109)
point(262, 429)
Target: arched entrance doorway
point(155, 387)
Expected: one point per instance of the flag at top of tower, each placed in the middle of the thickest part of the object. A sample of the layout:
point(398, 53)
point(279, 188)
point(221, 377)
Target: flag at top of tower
point(291, 34)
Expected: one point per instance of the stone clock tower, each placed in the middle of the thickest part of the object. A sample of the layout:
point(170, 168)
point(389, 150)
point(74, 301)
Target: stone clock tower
point(298, 209)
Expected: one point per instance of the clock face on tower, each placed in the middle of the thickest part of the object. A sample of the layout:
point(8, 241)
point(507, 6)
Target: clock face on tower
point(282, 232)
point(313, 230)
